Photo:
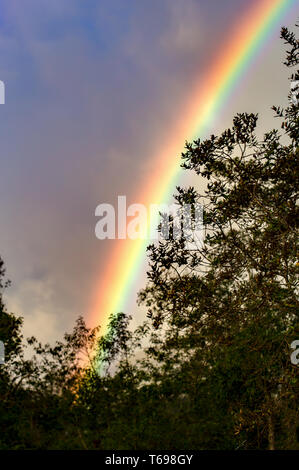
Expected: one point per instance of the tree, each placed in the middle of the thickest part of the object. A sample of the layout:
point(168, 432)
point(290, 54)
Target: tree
point(228, 309)
point(10, 335)
point(39, 406)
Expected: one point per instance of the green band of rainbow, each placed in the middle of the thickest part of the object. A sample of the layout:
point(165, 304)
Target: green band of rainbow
point(116, 280)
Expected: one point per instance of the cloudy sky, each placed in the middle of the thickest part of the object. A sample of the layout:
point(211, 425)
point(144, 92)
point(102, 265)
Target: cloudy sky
point(93, 88)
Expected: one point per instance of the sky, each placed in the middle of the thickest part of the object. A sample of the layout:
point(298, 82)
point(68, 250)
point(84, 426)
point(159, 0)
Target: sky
point(93, 89)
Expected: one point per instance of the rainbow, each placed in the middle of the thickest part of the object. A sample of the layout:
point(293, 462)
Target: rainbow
point(117, 280)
